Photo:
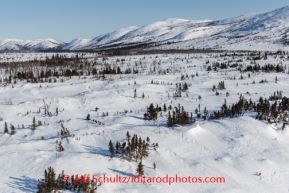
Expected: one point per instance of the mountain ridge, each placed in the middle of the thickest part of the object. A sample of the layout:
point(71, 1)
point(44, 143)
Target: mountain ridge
point(38, 44)
point(264, 31)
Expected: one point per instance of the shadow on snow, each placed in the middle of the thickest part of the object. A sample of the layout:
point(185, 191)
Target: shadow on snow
point(23, 183)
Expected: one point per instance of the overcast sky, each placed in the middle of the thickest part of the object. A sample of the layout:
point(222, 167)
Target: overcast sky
point(69, 19)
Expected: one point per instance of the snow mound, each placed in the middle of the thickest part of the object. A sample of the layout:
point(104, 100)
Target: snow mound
point(196, 129)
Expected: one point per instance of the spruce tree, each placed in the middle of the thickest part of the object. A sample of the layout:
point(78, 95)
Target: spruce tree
point(111, 149)
point(33, 124)
point(152, 112)
point(148, 139)
point(135, 95)
point(51, 183)
point(185, 86)
point(214, 87)
point(170, 120)
point(144, 150)
point(154, 165)
point(127, 136)
point(117, 146)
point(39, 188)
point(12, 130)
point(139, 169)
point(60, 148)
point(5, 128)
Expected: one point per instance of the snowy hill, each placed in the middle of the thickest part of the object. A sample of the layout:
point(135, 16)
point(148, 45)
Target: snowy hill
point(252, 32)
point(43, 44)
point(266, 31)
point(40, 44)
point(11, 44)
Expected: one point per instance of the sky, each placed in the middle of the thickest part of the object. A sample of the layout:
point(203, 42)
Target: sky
point(66, 20)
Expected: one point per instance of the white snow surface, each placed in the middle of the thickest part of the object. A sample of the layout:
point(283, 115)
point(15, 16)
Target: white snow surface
point(234, 148)
point(24, 57)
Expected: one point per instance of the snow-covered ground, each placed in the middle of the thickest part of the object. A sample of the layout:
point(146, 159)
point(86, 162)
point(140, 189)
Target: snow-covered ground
point(235, 148)
point(31, 56)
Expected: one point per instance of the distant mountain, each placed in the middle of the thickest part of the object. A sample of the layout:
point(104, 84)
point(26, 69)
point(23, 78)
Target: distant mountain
point(40, 44)
point(266, 31)
point(43, 44)
point(11, 44)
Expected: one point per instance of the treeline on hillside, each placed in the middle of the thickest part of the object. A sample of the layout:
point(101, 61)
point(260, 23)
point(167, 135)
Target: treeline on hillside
point(50, 69)
point(266, 68)
point(272, 112)
point(223, 53)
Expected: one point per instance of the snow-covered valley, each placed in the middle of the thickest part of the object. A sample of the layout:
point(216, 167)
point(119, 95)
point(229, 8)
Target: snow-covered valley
point(251, 154)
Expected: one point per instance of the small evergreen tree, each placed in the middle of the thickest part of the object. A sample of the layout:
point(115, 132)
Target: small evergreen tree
point(148, 139)
point(12, 130)
point(5, 128)
point(152, 113)
point(33, 124)
point(185, 86)
point(165, 108)
point(60, 148)
point(139, 169)
point(111, 149)
point(135, 95)
point(117, 146)
point(170, 122)
point(127, 136)
point(214, 87)
point(51, 183)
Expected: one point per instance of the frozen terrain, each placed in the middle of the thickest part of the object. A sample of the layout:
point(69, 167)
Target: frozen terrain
point(235, 148)
point(32, 56)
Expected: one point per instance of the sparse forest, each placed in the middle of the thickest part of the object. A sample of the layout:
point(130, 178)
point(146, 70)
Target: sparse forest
point(107, 112)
